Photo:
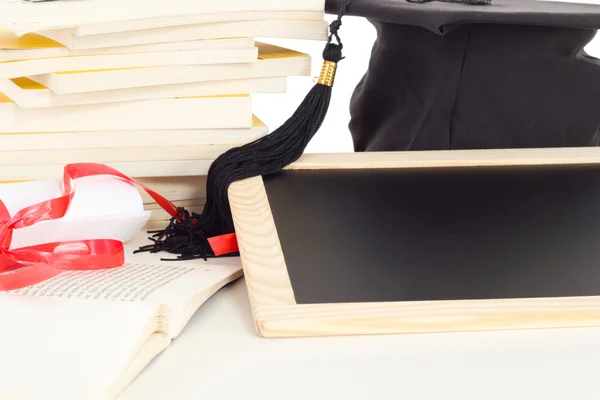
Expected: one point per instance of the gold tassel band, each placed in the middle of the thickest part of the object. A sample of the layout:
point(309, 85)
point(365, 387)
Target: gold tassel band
point(327, 73)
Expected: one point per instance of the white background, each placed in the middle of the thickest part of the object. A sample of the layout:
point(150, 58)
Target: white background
point(358, 36)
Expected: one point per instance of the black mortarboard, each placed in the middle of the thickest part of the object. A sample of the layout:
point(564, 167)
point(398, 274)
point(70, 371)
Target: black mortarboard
point(442, 76)
point(509, 74)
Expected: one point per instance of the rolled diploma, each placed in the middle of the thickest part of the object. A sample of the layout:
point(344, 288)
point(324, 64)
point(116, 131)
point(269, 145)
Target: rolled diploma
point(103, 207)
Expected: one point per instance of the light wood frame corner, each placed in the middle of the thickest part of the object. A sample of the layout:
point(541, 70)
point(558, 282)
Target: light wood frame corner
point(274, 307)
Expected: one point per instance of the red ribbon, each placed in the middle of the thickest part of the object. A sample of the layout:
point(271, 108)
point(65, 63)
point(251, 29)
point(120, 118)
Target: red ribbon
point(224, 244)
point(30, 265)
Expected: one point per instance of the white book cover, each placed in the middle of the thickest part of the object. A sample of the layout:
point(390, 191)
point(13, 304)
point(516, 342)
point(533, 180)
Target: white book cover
point(308, 30)
point(33, 46)
point(57, 142)
point(163, 22)
point(15, 69)
point(161, 114)
point(26, 16)
point(272, 61)
point(29, 94)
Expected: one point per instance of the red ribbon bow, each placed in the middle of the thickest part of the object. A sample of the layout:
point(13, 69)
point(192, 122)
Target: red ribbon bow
point(30, 265)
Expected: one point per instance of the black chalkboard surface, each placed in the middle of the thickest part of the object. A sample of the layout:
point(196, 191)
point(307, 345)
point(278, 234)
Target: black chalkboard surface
point(419, 236)
point(439, 234)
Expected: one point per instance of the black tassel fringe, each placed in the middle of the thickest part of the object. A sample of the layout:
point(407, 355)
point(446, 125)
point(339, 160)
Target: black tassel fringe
point(187, 234)
point(182, 236)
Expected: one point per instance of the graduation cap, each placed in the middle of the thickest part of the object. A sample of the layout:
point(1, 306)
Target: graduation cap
point(443, 75)
point(508, 74)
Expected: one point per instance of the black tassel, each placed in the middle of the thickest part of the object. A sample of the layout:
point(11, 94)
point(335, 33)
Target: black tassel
point(187, 233)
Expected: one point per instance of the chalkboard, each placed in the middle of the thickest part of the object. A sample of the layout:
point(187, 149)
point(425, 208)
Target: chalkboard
point(415, 242)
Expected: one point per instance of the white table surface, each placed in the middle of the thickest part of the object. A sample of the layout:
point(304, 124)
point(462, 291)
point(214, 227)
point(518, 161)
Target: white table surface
point(219, 356)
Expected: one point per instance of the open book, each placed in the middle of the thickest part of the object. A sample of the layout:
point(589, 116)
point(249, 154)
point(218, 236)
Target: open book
point(86, 335)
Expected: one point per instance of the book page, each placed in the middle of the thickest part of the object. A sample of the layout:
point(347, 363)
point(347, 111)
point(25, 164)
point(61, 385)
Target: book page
point(184, 294)
point(52, 348)
point(129, 283)
point(180, 286)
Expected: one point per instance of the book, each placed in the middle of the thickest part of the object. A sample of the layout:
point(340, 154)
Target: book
point(29, 94)
point(15, 69)
point(59, 141)
point(175, 188)
point(111, 323)
point(33, 46)
point(163, 22)
point(145, 169)
point(181, 113)
point(308, 30)
point(25, 17)
point(272, 61)
point(117, 153)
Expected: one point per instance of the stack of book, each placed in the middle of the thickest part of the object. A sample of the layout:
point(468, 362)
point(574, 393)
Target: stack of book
point(155, 89)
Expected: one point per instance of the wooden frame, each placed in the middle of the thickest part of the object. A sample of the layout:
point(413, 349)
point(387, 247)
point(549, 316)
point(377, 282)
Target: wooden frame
point(274, 308)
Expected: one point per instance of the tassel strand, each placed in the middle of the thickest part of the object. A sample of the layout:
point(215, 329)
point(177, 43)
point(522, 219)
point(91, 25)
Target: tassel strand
point(187, 234)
